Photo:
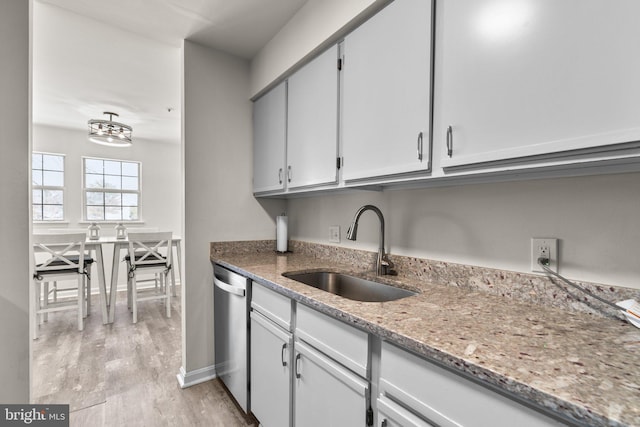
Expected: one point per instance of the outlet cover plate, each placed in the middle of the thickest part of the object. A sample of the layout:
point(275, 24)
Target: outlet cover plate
point(548, 247)
point(334, 234)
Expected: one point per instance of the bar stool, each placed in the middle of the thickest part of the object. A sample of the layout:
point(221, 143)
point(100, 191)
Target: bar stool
point(65, 260)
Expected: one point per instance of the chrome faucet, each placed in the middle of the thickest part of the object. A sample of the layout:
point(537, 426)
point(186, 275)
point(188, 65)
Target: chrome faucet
point(383, 265)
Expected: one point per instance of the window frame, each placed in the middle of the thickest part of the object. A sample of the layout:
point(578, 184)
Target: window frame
point(86, 190)
point(43, 187)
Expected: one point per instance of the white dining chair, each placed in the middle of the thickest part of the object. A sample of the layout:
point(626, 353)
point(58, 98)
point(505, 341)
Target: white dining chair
point(60, 257)
point(149, 253)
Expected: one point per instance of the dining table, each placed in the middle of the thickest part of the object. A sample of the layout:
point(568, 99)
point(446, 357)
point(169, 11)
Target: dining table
point(108, 298)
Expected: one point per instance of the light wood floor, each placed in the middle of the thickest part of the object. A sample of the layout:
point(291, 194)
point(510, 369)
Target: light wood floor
point(124, 374)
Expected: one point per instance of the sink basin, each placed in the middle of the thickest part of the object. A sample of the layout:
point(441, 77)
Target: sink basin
point(350, 287)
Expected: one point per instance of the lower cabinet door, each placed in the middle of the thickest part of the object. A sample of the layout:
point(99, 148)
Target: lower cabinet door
point(326, 393)
point(270, 372)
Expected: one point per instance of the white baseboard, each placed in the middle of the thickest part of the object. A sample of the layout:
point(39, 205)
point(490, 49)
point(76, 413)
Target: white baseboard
point(188, 379)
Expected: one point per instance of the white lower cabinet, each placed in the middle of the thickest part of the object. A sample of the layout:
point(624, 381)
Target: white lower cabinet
point(412, 386)
point(330, 372)
point(270, 372)
point(325, 392)
point(271, 356)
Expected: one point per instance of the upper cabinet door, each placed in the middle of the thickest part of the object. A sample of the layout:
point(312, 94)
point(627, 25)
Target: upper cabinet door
point(386, 113)
point(269, 140)
point(312, 137)
point(524, 78)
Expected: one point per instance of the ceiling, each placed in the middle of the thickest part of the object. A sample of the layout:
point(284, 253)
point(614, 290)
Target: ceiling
point(91, 56)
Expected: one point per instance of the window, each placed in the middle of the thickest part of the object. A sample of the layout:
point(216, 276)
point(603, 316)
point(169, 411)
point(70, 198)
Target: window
point(47, 184)
point(111, 190)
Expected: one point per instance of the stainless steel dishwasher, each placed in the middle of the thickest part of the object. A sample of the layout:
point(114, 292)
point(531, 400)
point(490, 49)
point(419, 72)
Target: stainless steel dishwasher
point(232, 297)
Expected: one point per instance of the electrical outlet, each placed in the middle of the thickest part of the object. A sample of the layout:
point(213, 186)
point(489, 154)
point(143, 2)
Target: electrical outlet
point(334, 234)
point(545, 248)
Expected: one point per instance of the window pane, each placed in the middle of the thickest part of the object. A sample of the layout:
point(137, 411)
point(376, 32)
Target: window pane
point(36, 177)
point(112, 168)
point(94, 181)
point(129, 183)
point(52, 197)
point(36, 161)
point(37, 212)
point(129, 199)
point(52, 163)
point(113, 181)
point(52, 212)
point(53, 179)
point(113, 199)
point(130, 213)
point(129, 169)
point(95, 213)
point(112, 176)
point(112, 213)
point(93, 166)
point(37, 196)
point(95, 198)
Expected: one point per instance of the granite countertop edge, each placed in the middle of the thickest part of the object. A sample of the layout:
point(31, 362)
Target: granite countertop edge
point(567, 411)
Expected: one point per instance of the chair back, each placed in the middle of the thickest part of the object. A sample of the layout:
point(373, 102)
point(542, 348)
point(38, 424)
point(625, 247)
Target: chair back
point(150, 249)
point(65, 252)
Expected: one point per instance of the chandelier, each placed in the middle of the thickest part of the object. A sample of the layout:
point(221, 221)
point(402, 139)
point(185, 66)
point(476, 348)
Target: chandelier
point(108, 132)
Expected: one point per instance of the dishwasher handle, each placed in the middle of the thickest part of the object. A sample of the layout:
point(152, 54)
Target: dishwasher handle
point(228, 288)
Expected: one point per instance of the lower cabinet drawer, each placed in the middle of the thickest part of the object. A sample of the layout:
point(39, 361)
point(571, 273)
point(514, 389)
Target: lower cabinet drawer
point(272, 305)
point(343, 343)
point(446, 399)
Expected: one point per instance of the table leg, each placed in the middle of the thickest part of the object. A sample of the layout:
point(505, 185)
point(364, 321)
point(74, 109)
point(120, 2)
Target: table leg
point(115, 265)
point(102, 285)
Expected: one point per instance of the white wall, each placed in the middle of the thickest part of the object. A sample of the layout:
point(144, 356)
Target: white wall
point(15, 118)
point(161, 181)
point(316, 22)
point(217, 168)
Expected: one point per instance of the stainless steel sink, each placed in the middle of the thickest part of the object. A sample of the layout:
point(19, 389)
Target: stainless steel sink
point(350, 287)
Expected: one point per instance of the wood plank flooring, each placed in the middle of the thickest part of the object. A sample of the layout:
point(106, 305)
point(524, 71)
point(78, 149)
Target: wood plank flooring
point(124, 374)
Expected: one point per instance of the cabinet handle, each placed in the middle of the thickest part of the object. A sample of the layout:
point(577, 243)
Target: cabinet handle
point(296, 367)
point(450, 141)
point(280, 175)
point(420, 146)
point(284, 347)
point(289, 173)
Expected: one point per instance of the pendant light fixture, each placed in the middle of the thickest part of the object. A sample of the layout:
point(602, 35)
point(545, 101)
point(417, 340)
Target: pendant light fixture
point(108, 132)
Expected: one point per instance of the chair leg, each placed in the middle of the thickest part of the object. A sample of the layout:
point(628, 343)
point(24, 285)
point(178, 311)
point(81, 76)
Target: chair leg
point(80, 302)
point(173, 282)
point(167, 291)
point(45, 303)
point(134, 298)
point(35, 315)
point(88, 289)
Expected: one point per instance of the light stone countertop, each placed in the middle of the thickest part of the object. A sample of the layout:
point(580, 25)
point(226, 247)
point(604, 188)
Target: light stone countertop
point(583, 367)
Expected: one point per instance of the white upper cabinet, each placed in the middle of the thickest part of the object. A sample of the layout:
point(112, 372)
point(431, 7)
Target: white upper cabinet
point(312, 124)
point(386, 112)
point(269, 140)
point(524, 78)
